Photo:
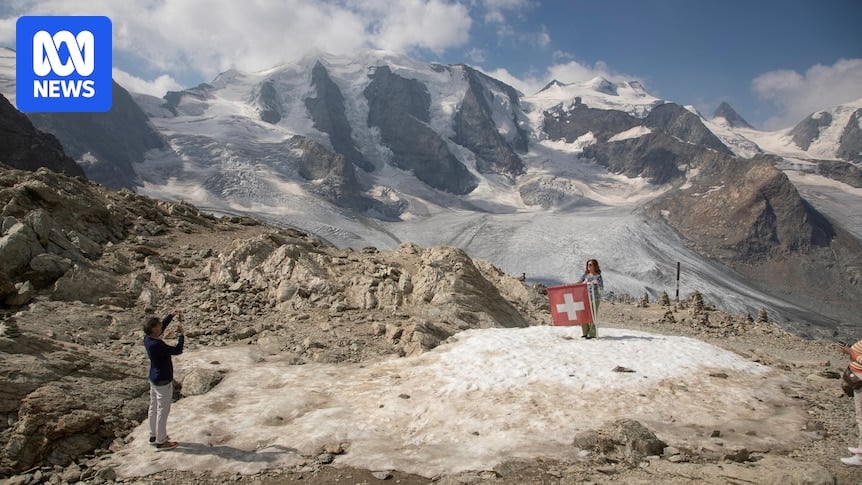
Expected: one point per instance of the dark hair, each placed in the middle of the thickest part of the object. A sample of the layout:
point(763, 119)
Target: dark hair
point(595, 265)
point(150, 323)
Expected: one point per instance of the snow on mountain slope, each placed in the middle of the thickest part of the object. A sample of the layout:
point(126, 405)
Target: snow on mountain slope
point(734, 138)
point(829, 138)
point(598, 93)
point(225, 158)
point(823, 145)
point(839, 201)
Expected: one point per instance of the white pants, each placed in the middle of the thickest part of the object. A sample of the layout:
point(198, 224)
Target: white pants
point(160, 407)
point(857, 401)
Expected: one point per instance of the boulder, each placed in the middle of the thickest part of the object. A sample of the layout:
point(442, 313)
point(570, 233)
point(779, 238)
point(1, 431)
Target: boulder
point(17, 248)
point(200, 381)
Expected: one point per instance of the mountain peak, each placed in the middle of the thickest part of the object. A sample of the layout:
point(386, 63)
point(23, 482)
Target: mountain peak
point(733, 118)
point(602, 85)
point(553, 84)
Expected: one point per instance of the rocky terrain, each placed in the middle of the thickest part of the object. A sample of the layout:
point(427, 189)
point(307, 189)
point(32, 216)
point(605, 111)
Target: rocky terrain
point(81, 265)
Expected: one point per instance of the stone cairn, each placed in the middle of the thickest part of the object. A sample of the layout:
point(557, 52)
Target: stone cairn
point(9, 328)
point(664, 299)
point(644, 301)
point(698, 309)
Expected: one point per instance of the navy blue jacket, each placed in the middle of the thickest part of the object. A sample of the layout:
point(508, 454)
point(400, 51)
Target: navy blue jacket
point(161, 367)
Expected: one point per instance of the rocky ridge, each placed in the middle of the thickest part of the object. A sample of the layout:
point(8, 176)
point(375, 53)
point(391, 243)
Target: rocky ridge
point(86, 263)
point(27, 148)
point(109, 144)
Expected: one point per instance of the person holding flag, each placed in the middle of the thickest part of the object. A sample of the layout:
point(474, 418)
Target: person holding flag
point(593, 278)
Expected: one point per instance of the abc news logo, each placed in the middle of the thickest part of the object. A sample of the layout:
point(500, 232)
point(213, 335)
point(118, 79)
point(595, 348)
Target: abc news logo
point(63, 64)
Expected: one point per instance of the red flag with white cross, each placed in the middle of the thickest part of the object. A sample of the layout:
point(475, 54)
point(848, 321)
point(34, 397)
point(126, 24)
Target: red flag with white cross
point(570, 304)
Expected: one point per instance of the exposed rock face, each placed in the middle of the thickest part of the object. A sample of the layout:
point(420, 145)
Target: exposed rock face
point(475, 128)
point(334, 176)
point(808, 130)
point(442, 288)
point(758, 216)
point(63, 400)
point(190, 101)
point(399, 107)
point(108, 142)
point(578, 120)
point(733, 118)
point(841, 171)
point(677, 138)
point(760, 226)
point(850, 145)
point(55, 228)
point(27, 148)
point(327, 112)
point(680, 123)
point(269, 104)
point(655, 156)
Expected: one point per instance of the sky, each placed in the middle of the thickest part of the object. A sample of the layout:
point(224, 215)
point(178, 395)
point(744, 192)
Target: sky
point(484, 397)
point(775, 62)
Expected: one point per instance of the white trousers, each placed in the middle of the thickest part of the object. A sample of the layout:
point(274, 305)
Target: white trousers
point(160, 407)
point(857, 401)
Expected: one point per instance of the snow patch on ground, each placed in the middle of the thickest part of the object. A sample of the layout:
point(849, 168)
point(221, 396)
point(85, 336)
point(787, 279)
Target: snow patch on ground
point(486, 396)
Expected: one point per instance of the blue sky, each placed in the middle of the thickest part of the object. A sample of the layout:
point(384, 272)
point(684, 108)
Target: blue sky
point(774, 61)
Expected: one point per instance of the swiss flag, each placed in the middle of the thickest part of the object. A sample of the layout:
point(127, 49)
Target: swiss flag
point(570, 304)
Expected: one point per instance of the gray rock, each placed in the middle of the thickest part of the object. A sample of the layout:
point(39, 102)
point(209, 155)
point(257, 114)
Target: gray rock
point(17, 248)
point(23, 294)
point(200, 381)
point(625, 439)
point(382, 475)
point(49, 267)
point(84, 284)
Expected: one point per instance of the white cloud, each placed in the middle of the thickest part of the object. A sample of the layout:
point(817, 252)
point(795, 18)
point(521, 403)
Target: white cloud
point(559, 55)
point(7, 32)
point(495, 9)
point(498, 11)
point(543, 38)
point(527, 84)
point(568, 72)
point(476, 55)
point(407, 24)
point(573, 71)
point(798, 95)
point(194, 40)
point(157, 87)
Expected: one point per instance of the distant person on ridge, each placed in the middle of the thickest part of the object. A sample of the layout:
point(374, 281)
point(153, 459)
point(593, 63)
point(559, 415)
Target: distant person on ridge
point(593, 277)
point(855, 353)
point(161, 376)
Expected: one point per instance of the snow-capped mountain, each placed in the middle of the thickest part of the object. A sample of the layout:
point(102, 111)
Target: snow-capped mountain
point(379, 149)
point(833, 134)
point(730, 117)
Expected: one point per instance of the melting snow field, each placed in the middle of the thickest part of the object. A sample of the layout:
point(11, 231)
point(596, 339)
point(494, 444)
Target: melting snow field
point(484, 397)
